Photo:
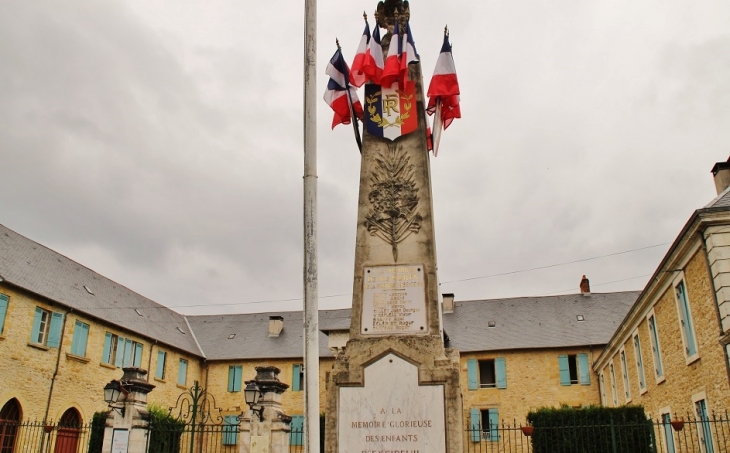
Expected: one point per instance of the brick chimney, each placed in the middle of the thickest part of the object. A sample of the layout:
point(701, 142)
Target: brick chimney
point(448, 305)
point(585, 286)
point(276, 325)
point(721, 173)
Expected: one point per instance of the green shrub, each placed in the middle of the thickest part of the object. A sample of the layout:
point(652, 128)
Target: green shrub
point(592, 429)
point(165, 431)
point(96, 437)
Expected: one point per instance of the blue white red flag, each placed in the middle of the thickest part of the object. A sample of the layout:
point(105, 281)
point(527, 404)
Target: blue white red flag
point(391, 70)
point(339, 94)
point(407, 53)
point(357, 73)
point(373, 65)
point(443, 93)
point(391, 111)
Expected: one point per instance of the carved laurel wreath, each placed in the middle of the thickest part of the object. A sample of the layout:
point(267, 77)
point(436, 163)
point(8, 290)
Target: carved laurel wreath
point(383, 122)
point(394, 199)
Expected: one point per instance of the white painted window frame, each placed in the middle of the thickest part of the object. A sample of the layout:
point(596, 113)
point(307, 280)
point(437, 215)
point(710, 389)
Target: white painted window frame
point(657, 378)
point(639, 354)
point(678, 305)
point(625, 374)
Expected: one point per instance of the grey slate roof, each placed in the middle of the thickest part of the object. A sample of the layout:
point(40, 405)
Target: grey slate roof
point(525, 322)
point(40, 270)
point(251, 334)
point(537, 322)
point(721, 201)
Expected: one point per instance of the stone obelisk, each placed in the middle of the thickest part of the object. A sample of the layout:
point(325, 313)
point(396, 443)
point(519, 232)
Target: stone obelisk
point(395, 387)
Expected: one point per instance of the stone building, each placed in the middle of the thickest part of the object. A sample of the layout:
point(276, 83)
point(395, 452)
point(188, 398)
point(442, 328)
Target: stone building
point(670, 353)
point(65, 331)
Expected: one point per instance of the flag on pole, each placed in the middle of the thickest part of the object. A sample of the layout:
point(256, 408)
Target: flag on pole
point(339, 94)
point(357, 73)
point(443, 92)
point(407, 53)
point(391, 70)
point(373, 64)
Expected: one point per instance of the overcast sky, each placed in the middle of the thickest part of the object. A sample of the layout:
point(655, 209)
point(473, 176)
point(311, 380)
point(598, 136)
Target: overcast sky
point(159, 143)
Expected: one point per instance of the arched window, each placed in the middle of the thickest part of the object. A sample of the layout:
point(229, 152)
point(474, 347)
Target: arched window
point(69, 427)
point(10, 416)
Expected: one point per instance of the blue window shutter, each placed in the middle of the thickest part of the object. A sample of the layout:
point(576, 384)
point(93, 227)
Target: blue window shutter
point(564, 369)
point(231, 377)
point(583, 369)
point(138, 355)
point(106, 355)
point(474, 424)
point(239, 378)
point(182, 372)
point(295, 384)
point(501, 370)
point(160, 372)
point(296, 436)
point(76, 338)
point(230, 430)
point(668, 433)
point(120, 352)
point(3, 310)
point(686, 320)
point(81, 335)
point(471, 372)
point(54, 333)
point(127, 352)
point(494, 425)
point(36, 325)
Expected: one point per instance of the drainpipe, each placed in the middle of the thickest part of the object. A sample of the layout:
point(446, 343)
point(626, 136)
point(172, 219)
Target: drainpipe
point(58, 361)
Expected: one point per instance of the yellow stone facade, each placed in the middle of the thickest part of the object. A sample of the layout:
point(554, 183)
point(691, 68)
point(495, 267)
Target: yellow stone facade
point(533, 381)
point(29, 369)
point(685, 379)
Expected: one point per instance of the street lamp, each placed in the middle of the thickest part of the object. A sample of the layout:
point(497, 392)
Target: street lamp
point(252, 394)
point(112, 391)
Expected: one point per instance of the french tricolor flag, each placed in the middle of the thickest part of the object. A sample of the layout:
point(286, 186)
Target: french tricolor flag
point(443, 93)
point(407, 53)
point(373, 64)
point(391, 71)
point(339, 94)
point(357, 73)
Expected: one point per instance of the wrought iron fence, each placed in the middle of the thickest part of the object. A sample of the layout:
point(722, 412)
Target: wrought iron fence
point(49, 437)
point(676, 435)
point(198, 438)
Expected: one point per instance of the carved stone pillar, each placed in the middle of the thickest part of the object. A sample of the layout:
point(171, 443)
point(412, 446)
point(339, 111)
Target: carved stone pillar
point(130, 424)
point(268, 433)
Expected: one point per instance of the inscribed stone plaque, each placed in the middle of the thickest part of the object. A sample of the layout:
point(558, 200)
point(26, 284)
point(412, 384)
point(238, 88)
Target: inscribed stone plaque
point(394, 300)
point(391, 413)
point(259, 444)
point(120, 440)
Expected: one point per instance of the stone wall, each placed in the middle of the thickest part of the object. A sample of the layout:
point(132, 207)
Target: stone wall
point(533, 381)
point(28, 369)
point(683, 378)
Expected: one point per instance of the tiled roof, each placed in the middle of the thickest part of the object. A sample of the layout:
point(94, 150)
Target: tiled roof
point(35, 268)
point(721, 201)
point(250, 334)
point(537, 322)
point(525, 322)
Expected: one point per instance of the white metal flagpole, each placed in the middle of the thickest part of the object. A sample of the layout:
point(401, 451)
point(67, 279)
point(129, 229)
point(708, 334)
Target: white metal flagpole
point(311, 309)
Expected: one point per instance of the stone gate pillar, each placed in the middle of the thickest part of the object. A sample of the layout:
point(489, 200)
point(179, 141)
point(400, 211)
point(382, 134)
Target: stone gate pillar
point(269, 431)
point(127, 426)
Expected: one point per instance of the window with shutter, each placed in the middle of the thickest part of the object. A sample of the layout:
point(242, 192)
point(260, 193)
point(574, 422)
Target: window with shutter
point(161, 359)
point(80, 337)
point(230, 430)
point(4, 302)
point(182, 372)
point(655, 348)
point(685, 319)
point(46, 328)
point(296, 436)
point(234, 378)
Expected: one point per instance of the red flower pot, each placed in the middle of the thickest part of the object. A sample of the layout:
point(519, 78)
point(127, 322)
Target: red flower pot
point(677, 425)
point(527, 430)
